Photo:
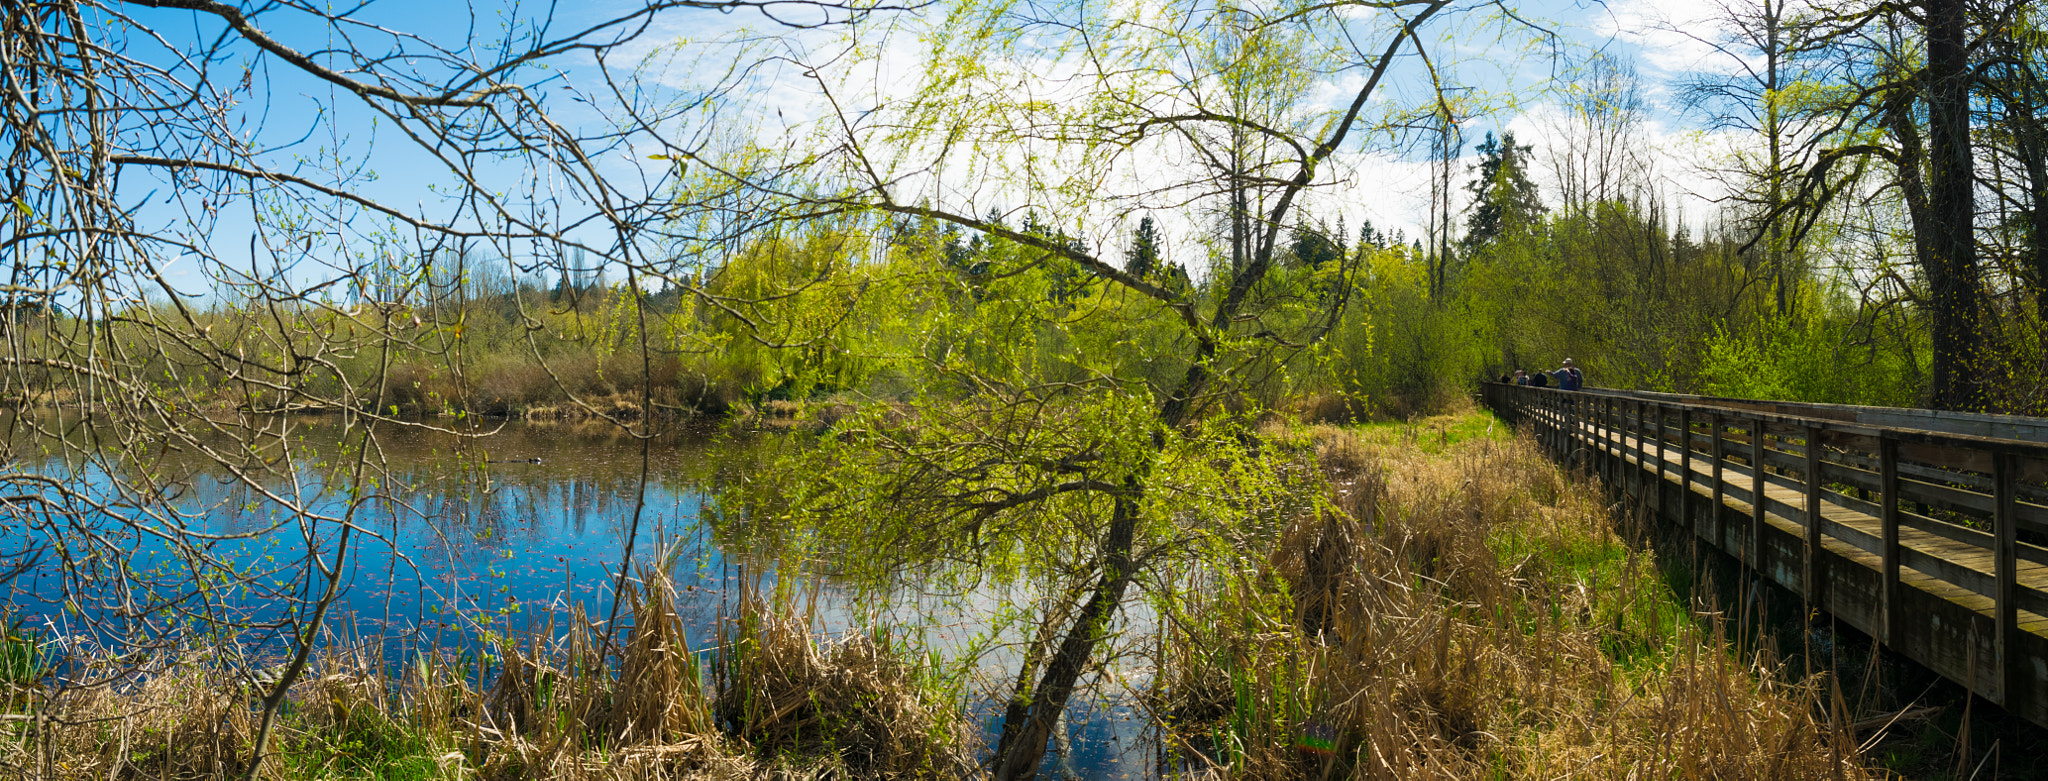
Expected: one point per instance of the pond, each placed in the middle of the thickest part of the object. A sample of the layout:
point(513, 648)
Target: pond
point(454, 536)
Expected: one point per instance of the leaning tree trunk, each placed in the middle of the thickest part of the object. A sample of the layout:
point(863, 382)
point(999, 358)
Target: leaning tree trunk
point(1029, 719)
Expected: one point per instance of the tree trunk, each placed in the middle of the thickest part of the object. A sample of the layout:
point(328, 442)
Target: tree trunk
point(2037, 181)
point(1029, 719)
point(1946, 237)
point(2031, 146)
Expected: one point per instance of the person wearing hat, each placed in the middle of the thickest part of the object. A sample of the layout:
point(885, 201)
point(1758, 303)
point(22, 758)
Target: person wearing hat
point(1569, 377)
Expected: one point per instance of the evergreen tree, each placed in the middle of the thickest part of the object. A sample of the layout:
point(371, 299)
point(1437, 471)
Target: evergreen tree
point(1503, 197)
point(1313, 247)
point(1368, 237)
point(1142, 259)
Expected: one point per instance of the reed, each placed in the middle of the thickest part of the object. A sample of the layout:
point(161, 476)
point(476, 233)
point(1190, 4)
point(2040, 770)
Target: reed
point(553, 703)
point(857, 705)
point(1471, 613)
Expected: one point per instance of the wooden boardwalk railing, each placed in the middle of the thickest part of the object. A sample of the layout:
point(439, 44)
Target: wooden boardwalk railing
point(1927, 531)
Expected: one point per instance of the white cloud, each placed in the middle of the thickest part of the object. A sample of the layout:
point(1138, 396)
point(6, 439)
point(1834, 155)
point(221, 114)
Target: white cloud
point(1672, 36)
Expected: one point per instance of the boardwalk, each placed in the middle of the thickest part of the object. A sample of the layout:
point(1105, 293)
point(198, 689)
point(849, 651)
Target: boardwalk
point(1926, 530)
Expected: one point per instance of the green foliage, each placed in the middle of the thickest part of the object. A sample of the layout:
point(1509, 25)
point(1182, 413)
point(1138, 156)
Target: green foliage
point(1829, 359)
point(1399, 350)
point(965, 492)
point(367, 744)
point(23, 658)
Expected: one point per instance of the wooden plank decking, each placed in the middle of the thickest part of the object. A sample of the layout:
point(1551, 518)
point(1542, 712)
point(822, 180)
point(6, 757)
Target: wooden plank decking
point(1956, 554)
point(1965, 588)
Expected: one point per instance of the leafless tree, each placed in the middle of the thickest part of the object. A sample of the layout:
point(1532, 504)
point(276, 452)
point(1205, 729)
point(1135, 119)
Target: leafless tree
point(170, 157)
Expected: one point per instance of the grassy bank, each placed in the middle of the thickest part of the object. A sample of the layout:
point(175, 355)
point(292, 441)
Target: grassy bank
point(1463, 609)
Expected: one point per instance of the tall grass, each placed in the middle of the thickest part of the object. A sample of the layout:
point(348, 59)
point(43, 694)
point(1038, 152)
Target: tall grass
point(1471, 613)
point(557, 703)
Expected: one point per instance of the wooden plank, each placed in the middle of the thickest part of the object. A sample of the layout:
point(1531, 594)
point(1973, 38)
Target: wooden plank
point(2035, 492)
point(1946, 457)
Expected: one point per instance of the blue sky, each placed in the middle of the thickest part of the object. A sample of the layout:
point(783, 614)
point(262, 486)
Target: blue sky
point(304, 118)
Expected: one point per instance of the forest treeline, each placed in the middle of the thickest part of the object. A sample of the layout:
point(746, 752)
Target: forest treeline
point(1062, 279)
point(1842, 266)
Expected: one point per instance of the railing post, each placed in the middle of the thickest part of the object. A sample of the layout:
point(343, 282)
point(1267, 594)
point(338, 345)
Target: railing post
point(1645, 431)
point(1563, 427)
point(1617, 433)
point(1613, 441)
point(1811, 578)
point(1631, 410)
point(1550, 424)
point(1685, 466)
point(1720, 461)
point(1658, 410)
point(1556, 429)
point(1574, 406)
point(1888, 518)
point(1582, 414)
point(1604, 433)
point(1756, 494)
point(2005, 517)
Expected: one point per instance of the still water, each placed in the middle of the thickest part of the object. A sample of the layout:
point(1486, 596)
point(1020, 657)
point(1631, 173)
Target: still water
point(454, 536)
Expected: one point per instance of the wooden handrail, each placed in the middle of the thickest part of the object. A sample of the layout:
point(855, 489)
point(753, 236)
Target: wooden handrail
point(1946, 515)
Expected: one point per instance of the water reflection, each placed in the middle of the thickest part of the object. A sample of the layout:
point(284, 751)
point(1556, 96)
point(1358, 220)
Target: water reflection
point(452, 533)
point(462, 536)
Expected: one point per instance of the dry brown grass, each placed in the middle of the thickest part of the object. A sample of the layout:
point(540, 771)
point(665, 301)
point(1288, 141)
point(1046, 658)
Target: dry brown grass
point(786, 705)
point(1473, 615)
point(854, 703)
point(185, 722)
point(1329, 407)
point(622, 406)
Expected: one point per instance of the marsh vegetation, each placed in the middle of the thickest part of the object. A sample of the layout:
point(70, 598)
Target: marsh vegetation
point(1431, 599)
point(1056, 322)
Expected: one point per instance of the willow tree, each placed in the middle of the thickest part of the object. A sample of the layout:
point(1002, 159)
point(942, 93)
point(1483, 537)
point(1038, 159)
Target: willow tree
point(1084, 116)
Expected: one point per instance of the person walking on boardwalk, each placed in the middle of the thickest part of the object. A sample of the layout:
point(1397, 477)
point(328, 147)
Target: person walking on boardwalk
point(1569, 377)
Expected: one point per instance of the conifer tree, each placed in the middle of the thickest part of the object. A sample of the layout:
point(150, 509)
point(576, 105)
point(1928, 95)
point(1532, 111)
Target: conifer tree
point(1503, 197)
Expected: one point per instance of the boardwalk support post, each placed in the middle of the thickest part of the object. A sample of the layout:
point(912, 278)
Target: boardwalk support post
point(1811, 578)
point(1756, 495)
point(2005, 519)
point(1888, 520)
point(1720, 458)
